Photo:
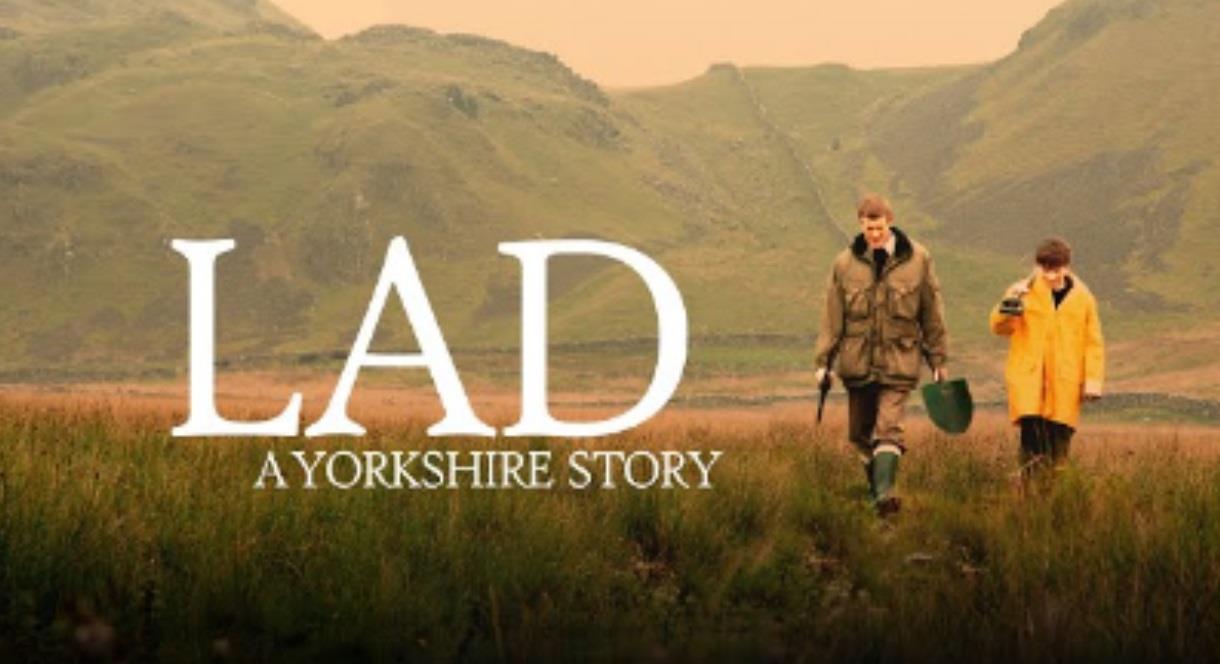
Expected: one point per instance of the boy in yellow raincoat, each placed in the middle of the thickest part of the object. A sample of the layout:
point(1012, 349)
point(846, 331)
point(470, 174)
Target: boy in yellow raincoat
point(1056, 356)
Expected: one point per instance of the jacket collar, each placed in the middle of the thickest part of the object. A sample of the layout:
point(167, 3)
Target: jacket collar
point(902, 247)
point(1043, 289)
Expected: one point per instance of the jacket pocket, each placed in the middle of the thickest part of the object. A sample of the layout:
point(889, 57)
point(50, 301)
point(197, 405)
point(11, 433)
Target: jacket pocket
point(854, 358)
point(904, 301)
point(857, 303)
point(902, 359)
point(1023, 366)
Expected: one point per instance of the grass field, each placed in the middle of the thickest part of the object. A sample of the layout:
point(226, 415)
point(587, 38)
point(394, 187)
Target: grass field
point(118, 540)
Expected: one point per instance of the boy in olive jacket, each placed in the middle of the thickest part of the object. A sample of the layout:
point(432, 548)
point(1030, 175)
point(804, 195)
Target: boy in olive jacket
point(884, 315)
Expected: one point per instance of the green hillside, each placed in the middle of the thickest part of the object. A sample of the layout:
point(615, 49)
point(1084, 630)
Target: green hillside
point(50, 16)
point(122, 127)
point(313, 155)
point(1100, 127)
point(49, 43)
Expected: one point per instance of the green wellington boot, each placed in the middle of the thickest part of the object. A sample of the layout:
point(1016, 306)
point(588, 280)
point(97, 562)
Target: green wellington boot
point(885, 472)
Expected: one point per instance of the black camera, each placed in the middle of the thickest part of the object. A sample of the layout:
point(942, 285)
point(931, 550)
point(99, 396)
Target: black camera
point(1012, 306)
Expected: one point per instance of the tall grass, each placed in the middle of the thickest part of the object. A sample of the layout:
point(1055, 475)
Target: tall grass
point(106, 520)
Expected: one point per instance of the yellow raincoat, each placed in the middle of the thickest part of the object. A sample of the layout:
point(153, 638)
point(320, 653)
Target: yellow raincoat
point(1052, 353)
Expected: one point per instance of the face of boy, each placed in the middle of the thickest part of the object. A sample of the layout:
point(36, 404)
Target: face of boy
point(1056, 277)
point(876, 231)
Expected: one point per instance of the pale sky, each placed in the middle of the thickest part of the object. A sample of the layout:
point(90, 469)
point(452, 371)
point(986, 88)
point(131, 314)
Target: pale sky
point(648, 42)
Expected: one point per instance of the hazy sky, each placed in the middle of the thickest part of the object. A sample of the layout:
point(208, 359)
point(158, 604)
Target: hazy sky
point(643, 42)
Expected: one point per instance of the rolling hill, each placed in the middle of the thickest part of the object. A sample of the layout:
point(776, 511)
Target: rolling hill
point(122, 127)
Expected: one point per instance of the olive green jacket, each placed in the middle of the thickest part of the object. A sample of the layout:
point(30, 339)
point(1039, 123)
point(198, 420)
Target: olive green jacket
point(877, 330)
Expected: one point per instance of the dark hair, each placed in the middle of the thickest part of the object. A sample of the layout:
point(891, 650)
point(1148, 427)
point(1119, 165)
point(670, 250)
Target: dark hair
point(873, 206)
point(1053, 253)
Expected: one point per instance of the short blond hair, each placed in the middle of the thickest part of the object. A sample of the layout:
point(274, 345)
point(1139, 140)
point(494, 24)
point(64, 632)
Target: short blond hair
point(873, 206)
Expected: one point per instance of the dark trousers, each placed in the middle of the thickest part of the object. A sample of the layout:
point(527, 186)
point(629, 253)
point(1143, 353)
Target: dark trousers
point(1044, 441)
point(874, 417)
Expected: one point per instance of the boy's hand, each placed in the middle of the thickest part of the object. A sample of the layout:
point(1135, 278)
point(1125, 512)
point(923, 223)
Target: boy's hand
point(1092, 391)
point(1018, 289)
point(1011, 304)
point(822, 375)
